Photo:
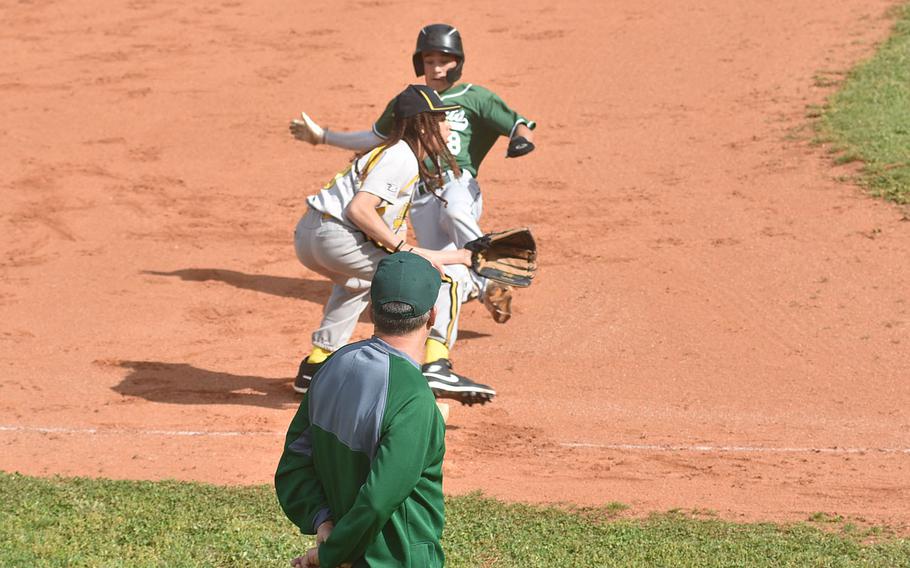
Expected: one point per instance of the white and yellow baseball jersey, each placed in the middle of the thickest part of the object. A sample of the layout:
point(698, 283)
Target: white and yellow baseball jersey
point(392, 176)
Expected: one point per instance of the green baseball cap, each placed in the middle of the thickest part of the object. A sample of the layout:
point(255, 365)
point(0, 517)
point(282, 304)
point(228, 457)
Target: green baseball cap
point(407, 278)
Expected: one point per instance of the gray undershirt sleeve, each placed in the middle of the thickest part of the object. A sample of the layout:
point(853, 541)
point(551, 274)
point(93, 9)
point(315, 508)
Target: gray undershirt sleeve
point(358, 141)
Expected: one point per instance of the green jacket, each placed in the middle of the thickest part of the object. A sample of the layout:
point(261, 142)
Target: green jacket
point(365, 449)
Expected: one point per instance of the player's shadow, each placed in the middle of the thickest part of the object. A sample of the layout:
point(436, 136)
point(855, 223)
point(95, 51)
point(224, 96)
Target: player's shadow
point(468, 334)
point(179, 383)
point(298, 288)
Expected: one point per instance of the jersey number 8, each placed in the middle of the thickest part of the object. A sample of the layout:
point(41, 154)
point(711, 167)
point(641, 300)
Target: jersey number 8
point(454, 143)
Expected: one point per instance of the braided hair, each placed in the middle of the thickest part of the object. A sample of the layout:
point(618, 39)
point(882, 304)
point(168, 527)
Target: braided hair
point(421, 131)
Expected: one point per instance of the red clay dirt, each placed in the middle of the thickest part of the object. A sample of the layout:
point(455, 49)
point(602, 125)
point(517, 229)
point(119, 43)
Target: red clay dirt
point(718, 324)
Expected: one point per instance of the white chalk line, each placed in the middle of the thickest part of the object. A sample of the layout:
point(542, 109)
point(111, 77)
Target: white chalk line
point(122, 431)
point(732, 449)
point(621, 447)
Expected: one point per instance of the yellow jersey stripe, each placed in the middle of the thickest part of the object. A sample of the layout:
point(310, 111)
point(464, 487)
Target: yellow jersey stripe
point(409, 184)
point(453, 311)
point(435, 108)
point(373, 157)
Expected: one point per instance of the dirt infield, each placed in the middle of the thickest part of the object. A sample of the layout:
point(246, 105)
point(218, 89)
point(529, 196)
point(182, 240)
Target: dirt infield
point(718, 324)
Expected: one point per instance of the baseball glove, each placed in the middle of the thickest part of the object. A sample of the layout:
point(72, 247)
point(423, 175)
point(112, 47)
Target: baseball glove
point(509, 257)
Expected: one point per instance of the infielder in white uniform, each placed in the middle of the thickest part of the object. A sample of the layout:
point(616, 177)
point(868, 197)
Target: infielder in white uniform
point(360, 217)
point(449, 223)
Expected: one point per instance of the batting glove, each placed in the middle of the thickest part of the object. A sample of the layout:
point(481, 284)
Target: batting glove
point(306, 130)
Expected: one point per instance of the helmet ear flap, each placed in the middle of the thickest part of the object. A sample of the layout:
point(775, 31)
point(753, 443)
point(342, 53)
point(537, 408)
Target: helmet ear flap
point(454, 74)
point(418, 64)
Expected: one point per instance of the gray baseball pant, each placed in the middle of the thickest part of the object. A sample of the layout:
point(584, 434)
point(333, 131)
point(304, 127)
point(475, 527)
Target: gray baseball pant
point(449, 225)
point(349, 260)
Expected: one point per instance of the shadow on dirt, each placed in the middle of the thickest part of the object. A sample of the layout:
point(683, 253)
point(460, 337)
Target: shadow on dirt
point(179, 383)
point(468, 334)
point(299, 288)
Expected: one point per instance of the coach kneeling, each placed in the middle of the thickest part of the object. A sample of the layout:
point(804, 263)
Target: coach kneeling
point(362, 461)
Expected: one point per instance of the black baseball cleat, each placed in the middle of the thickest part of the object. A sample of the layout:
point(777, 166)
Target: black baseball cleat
point(305, 374)
point(446, 384)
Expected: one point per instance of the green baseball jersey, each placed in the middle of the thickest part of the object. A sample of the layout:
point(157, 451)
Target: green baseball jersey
point(365, 449)
point(482, 118)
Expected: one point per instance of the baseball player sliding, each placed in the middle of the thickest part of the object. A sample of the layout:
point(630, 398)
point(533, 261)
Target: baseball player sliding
point(445, 224)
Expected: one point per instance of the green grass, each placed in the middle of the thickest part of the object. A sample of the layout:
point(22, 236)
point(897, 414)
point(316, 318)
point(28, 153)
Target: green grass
point(83, 522)
point(868, 119)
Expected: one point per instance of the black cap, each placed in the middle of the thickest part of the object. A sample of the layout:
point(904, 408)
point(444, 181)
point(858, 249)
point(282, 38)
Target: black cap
point(416, 99)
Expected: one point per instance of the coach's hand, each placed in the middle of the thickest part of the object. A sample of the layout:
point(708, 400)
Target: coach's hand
point(323, 532)
point(308, 560)
point(306, 130)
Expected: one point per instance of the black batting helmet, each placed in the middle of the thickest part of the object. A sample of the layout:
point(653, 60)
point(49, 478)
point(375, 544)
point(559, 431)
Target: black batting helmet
point(443, 38)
